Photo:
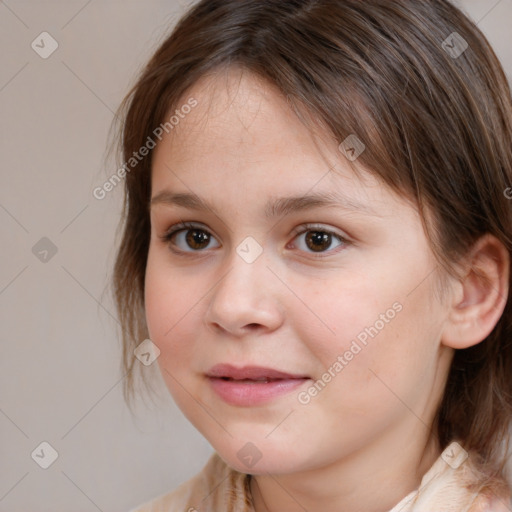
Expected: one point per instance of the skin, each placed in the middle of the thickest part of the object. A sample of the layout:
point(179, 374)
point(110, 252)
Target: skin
point(364, 441)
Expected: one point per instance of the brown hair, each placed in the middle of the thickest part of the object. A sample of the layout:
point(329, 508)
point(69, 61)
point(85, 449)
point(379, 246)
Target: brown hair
point(419, 84)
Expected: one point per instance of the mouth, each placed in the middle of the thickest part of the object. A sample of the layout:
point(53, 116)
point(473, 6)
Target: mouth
point(252, 385)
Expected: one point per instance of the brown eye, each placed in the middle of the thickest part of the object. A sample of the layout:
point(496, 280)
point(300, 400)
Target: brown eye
point(197, 238)
point(318, 241)
point(185, 237)
point(313, 239)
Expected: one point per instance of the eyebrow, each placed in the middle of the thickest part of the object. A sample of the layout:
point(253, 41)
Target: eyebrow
point(275, 207)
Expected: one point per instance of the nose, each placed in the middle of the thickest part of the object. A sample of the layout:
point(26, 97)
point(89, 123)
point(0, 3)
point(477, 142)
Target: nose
point(245, 300)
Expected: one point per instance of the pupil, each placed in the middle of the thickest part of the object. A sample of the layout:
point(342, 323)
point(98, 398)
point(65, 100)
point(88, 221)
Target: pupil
point(197, 239)
point(318, 240)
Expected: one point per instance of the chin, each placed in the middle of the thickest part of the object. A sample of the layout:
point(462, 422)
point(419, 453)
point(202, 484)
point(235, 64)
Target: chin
point(260, 457)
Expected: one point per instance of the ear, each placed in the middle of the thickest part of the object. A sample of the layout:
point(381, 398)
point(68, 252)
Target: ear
point(482, 296)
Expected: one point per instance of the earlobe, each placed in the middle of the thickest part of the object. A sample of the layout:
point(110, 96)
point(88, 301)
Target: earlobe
point(482, 296)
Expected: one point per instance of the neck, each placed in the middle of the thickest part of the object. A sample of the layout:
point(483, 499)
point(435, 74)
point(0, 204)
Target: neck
point(373, 479)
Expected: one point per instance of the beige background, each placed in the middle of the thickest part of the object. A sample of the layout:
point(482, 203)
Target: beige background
point(59, 374)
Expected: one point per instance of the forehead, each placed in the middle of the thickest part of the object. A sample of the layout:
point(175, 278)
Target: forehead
point(239, 113)
point(242, 135)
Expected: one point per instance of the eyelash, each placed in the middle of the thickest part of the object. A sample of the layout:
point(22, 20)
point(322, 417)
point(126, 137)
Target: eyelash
point(306, 228)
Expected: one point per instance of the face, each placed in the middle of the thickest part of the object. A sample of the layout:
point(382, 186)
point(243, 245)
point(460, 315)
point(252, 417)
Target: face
point(296, 312)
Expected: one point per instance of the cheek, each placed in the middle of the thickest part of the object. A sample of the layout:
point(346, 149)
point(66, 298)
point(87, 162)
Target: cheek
point(170, 304)
point(392, 372)
point(379, 329)
point(334, 316)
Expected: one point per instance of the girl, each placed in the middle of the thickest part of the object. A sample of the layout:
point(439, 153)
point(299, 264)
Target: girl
point(316, 246)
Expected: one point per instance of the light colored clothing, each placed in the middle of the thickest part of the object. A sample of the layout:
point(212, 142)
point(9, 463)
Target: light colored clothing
point(218, 488)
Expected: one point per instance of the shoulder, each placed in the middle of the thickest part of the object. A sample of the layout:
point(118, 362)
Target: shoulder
point(216, 487)
point(454, 483)
point(483, 504)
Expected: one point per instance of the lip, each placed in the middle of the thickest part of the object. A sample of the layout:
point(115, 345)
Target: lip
point(251, 385)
